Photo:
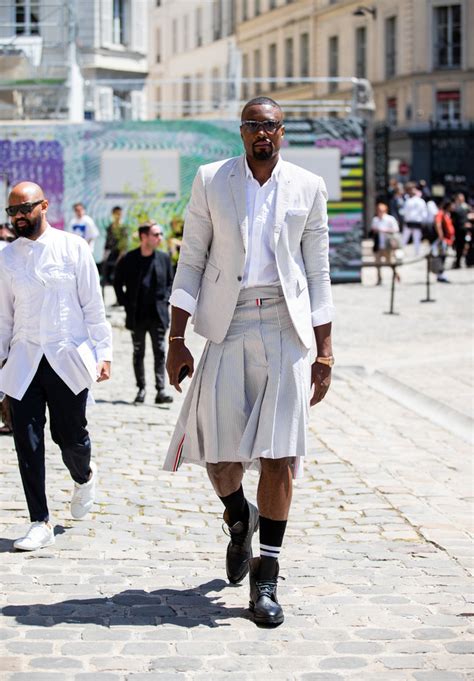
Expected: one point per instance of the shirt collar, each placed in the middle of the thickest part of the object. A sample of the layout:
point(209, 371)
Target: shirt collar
point(275, 173)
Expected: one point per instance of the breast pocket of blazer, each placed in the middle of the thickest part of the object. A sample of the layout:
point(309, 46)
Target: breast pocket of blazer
point(211, 272)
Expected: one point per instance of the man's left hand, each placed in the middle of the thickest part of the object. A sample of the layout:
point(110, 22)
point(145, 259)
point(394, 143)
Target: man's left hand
point(321, 380)
point(103, 371)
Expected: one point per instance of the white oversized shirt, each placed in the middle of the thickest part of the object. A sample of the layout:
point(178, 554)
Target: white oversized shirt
point(51, 305)
point(415, 210)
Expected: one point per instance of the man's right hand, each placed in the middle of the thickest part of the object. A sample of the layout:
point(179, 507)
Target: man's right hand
point(178, 357)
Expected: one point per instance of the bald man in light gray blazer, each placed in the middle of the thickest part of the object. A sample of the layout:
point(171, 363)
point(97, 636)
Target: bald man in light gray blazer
point(254, 274)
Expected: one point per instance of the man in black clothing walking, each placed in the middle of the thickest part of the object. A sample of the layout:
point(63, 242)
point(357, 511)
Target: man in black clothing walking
point(143, 280)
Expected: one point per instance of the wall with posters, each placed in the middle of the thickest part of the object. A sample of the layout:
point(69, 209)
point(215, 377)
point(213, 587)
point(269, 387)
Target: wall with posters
point(148, 168)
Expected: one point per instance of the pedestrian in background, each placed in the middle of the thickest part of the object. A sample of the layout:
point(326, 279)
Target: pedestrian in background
point(84, 226)
point(444, 228)
point(254, 273)
point(414, 217)
point(116, 245)
point(460, 214)
point(54, 343)
point(386, 229)
point(143, 280)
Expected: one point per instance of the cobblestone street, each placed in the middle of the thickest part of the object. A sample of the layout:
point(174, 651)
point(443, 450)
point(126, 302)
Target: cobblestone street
point(377, 560)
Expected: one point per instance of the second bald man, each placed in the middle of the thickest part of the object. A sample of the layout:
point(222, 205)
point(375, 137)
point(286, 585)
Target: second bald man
point(54, 343)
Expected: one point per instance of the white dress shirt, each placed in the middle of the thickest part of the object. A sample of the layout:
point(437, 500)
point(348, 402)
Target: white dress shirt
point(415, 210)
point(260, 261)
point(51, 304)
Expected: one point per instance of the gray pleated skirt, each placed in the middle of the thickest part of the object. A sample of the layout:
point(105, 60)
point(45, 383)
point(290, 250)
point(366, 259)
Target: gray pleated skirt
point(249, 396)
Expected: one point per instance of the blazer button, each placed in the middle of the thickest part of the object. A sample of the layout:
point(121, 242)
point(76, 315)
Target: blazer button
point(239, 278)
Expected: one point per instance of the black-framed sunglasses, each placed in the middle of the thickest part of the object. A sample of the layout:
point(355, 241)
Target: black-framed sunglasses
point(269, 126)
point(23, 208)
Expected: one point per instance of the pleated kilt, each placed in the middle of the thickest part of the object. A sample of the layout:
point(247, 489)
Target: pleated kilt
point(249, 396)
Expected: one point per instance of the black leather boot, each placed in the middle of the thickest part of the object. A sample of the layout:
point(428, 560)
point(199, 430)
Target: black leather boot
point(239, 549)
point(263, 597)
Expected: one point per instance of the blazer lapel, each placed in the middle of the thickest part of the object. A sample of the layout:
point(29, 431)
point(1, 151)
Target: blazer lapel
point(237, 184)
point(282, 201)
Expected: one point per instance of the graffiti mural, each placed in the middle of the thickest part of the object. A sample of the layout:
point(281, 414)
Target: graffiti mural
point(148, 169)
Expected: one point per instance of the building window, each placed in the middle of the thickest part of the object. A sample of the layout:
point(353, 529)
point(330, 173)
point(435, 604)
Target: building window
point(245, 75)
point(390, 47)
point(257, 70)
point(158, 46)
point(392, 117)
point(273, 4)
point(304, 55)
point(187, 104)
point(361, 52)
point(448, 106)
point(272, 64)
point(174, 36)
point(120, 23)
point(289, 59)
point(447, 32)
point(333, 61)
point(198, 27)
point(216, 88)
point(257, 8)
point(217, 19)
point(245, 10)
point(26, 20)
point(232, 18)
point(185, 32)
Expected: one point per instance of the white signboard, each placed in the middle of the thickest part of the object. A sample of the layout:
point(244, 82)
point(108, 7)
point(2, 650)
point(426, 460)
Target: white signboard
point(324, 162)
point(140, 173)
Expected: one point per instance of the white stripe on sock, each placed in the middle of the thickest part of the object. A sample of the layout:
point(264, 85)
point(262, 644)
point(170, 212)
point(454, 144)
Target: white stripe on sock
point(270, 551)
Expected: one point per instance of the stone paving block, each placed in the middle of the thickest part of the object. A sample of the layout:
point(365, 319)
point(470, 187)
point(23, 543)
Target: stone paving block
point(55, 663)
point(460, 647)
point(343, 663)
point(404, 662)
point(438, 675)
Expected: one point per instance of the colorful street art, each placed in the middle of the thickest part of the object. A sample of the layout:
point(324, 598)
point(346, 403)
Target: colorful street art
point(148, 168)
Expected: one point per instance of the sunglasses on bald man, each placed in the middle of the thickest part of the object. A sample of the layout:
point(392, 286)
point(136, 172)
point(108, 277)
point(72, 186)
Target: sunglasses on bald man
point(23, 208)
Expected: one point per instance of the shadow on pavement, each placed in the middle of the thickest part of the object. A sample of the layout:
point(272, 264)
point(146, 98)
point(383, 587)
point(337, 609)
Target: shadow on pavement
point(184, 608)
point(101, 401)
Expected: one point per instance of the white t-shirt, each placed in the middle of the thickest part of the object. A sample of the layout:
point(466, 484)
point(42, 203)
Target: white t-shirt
point(86, 228)
point(385, 225)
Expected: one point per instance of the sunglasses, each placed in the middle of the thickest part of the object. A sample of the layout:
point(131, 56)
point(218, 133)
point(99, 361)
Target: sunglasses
point(24, 208)
point(269, 126)
point(156, 233)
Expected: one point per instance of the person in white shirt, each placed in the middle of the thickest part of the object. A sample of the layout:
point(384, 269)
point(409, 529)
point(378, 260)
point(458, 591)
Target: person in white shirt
point(254, 273)
point(54, 343)
point(386, 227)
point(415, 214)
point(84, 226)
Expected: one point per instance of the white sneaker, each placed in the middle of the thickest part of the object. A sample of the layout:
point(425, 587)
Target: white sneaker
point(40, 534)
point(84, 495)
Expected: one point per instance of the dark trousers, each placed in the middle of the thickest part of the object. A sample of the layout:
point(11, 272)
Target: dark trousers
point(157, 333)
point(459, 244)
point(67, 414)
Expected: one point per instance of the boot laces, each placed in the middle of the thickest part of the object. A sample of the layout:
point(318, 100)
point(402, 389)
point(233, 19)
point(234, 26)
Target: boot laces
point(266, 587)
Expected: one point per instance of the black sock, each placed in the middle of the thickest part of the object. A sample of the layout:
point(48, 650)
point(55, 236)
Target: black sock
point(271, 539)
point(236, 507)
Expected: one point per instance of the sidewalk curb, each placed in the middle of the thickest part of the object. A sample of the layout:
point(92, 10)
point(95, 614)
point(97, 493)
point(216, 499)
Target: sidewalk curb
point(435, 411)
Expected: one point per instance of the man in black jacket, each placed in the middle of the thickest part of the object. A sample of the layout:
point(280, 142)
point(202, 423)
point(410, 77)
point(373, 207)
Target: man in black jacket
point(143, 280)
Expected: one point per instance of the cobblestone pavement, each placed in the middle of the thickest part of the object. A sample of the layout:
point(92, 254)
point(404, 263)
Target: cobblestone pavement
point(378, 555)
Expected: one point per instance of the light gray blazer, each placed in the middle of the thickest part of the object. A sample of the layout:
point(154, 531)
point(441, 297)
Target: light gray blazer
point(212, 256)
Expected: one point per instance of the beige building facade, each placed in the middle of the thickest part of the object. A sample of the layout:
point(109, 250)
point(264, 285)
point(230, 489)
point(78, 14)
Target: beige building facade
point(193, 61)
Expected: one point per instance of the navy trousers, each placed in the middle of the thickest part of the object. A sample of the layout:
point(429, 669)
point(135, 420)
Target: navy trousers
point(67, 414)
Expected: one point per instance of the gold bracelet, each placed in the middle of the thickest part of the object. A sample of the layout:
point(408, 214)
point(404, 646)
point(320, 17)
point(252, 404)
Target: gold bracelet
point(172, 338)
